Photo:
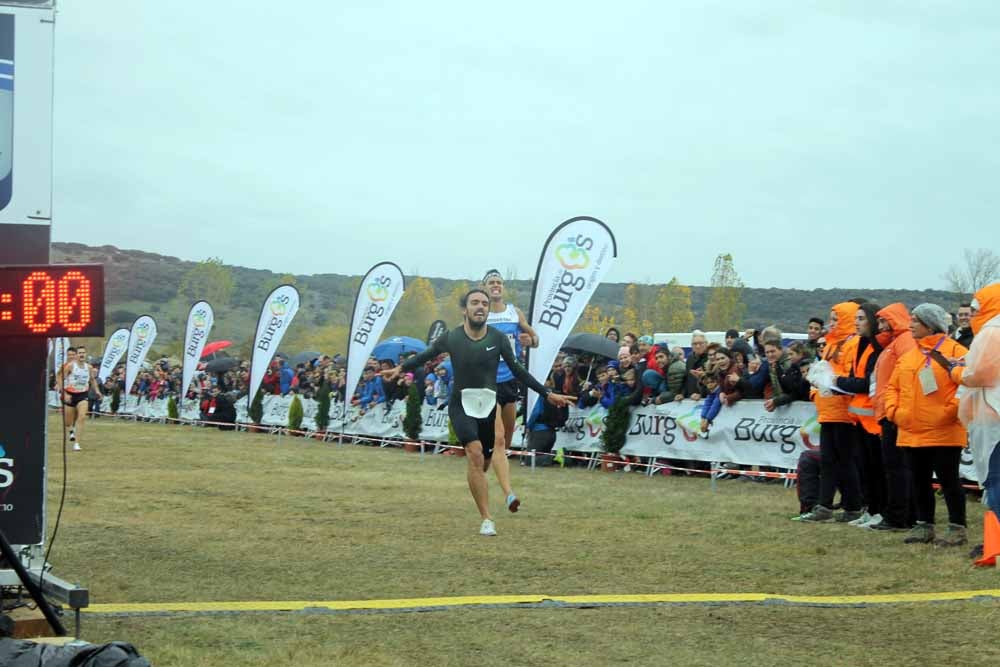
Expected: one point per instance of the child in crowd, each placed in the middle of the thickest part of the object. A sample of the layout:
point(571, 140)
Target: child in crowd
point(713, 402)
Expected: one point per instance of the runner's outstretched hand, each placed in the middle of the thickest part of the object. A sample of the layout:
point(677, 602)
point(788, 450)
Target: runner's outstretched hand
point(561, 400)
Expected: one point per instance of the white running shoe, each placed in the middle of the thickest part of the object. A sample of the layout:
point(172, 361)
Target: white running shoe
point(72, 435)
point(488, 528)
point(76, 446)
point(861, 520)
point(875, 520)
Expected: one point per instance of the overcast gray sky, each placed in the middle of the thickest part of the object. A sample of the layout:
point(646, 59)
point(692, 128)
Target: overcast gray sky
point(824, 144)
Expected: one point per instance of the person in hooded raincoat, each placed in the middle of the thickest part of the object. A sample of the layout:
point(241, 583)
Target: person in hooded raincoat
point(979, 407)
point(838, 468)
point(922, 400)
point(896, 339)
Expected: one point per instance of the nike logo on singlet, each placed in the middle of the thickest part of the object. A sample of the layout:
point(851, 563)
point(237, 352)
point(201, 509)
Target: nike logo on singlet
point(491, 348)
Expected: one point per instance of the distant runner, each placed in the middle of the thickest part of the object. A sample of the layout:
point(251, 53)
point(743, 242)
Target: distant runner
point(76, 381)
point(476, 350)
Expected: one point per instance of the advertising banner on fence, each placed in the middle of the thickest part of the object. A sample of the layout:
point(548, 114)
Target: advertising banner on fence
point(276, 315)
point(200, 319)
point(575, 259)
point(140, 339)
point(379, 293)
point(114, 350)
point(744, 433)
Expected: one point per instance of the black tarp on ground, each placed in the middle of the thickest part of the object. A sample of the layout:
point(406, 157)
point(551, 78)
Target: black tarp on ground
point(23, 653)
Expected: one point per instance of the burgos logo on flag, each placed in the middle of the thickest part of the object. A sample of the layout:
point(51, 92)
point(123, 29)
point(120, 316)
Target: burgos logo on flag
point(118, 342)
point(572, 257)
point(378, 289)
point(199, 318)
point(142, 331)
point(279, 305)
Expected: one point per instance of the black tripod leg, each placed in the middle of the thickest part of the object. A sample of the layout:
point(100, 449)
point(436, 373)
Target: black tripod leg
point(33, 589)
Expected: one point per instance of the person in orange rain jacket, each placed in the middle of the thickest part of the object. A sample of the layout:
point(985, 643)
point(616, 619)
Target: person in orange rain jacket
point(980, 405)
point(838, 467)
point(866, 430)
point(922, 401)
point(895, 337)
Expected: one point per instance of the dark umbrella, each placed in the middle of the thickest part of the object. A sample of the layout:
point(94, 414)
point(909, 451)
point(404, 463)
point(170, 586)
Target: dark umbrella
point(592, 344)
point(221, 365)
point(304, 358)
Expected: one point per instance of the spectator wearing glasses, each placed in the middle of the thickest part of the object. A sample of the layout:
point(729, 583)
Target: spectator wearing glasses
point(695, 368)
point(922, 400)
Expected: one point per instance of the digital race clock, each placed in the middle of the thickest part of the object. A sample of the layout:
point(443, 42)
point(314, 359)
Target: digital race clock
point(52, 300)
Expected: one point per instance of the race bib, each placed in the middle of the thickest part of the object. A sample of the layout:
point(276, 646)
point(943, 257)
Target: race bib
point(479, 403)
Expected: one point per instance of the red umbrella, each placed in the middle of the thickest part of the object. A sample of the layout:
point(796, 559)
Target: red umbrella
point(215, 346)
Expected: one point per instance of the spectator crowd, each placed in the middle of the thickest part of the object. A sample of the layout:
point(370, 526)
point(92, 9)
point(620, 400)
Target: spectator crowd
point(887, 382)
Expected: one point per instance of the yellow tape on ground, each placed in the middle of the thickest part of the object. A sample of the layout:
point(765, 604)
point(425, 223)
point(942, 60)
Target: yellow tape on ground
point(443, 603)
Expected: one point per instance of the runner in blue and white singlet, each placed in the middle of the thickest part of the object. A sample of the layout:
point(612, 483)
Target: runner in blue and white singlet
point(510, 321)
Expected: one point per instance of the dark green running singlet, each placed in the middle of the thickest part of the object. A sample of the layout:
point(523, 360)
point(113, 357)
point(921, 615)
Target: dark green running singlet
point(474, 366)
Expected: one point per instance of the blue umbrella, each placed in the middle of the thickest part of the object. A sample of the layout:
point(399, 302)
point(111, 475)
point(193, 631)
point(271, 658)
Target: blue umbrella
point(391, 348)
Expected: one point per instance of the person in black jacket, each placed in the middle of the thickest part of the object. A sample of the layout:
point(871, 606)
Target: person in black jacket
point(696, 363)
point(963, 334)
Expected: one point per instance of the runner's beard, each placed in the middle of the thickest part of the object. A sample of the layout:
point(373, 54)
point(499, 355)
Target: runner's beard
point(476, 326)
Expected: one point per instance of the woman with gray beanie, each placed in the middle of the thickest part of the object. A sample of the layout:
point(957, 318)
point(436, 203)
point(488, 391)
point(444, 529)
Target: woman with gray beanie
point(921, 400)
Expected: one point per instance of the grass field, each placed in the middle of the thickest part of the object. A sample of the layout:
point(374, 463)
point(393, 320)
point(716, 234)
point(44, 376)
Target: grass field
point(175, 514)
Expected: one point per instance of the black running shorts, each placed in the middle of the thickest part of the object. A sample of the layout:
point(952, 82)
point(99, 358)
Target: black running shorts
point(508, 392)
point(469, 429)
point(75, 398)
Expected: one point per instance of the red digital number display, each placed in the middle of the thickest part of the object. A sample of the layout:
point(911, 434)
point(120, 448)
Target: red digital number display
point(53, 300)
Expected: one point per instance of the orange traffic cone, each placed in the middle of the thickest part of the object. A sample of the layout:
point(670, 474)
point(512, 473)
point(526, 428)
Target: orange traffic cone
point(991, 540)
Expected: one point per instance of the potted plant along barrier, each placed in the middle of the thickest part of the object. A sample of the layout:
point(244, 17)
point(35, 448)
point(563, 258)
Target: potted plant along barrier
point(322, 410)
point(413, 420)
point(256, 412)
point(615, 430)
point(295, 415)
point(172, 413)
